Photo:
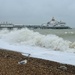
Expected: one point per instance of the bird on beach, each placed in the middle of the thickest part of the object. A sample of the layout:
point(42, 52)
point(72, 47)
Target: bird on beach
point(23, 62)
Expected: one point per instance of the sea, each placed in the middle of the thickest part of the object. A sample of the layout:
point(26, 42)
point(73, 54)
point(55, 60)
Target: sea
point(56, 39)
point(66, 34)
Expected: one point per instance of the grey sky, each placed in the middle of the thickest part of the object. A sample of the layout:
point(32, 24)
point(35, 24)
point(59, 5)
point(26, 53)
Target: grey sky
point(37, 11)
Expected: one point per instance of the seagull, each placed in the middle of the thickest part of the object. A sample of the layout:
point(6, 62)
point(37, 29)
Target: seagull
point(23, 62)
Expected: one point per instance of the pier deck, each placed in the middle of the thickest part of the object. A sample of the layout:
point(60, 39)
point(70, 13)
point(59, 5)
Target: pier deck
point(10, 27)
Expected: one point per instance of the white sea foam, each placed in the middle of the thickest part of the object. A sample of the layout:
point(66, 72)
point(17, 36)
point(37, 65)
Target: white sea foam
point(29, 37)
point(69, 33)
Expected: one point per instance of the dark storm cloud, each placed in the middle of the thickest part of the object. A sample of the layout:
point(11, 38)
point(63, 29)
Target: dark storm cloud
point(37, 11)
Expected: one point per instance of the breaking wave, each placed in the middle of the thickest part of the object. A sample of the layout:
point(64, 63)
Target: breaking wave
point(29, 37)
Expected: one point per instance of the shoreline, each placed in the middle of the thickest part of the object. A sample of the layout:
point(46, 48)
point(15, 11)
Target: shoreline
point(9, 65)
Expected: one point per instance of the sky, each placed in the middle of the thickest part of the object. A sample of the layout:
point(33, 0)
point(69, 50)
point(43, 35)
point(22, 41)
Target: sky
point(37, 11)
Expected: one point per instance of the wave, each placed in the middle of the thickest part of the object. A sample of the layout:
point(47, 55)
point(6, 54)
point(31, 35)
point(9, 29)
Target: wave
point(29, 37)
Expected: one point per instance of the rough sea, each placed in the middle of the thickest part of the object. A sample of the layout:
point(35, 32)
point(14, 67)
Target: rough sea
point(66, 34)
point(56, 39)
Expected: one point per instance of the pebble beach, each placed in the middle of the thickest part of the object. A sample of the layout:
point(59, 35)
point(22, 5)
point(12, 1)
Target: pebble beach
point(34, 66)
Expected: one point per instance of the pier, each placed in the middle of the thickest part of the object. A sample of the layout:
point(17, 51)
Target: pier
point(11, 27)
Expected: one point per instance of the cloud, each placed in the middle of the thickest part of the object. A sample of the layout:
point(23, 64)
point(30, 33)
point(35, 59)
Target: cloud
point(36, 11)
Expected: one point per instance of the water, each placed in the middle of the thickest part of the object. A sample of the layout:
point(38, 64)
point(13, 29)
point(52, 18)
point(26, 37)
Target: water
point(66, 34)
point(46, 38)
